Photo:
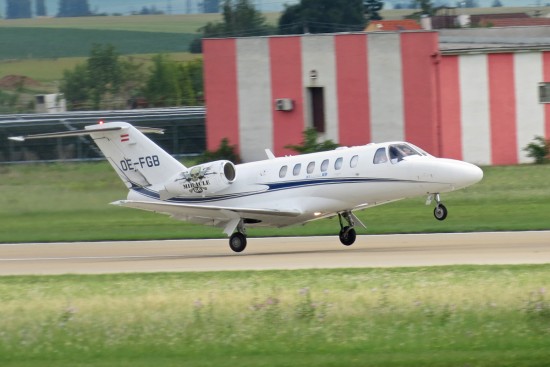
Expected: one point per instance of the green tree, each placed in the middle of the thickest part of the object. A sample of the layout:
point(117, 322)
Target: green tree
point(496, 4)
point(104, 73)
point(162, 88)
point(41, 8)
point(74, 86)
point(74, 8)
point(18, 9)
point(240, 19)
point(310, 145)
point(103, 81)
point(372, 7)
point(322, 16)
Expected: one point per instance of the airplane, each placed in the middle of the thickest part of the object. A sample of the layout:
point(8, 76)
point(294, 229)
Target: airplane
point(278, 191)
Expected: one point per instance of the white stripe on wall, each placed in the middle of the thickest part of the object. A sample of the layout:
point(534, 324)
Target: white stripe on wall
point(255, 101)
point(528, 72)
point(385, 87)
point(474, 97)
point(318, 54)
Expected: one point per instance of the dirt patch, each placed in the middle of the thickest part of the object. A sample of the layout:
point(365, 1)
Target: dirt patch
point(18, 81)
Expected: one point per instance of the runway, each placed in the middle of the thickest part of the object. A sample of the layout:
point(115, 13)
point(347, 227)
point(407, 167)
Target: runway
point(276, 253)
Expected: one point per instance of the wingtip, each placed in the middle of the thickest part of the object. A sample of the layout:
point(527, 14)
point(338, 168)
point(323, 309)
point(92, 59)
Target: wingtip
point(17, 138)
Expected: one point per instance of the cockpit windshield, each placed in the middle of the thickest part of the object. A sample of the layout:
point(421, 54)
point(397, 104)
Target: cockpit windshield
point(400, 151)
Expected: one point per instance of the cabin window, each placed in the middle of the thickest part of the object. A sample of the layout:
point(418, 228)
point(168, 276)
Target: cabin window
point(353, 161)
point(282, 172)
point(310, 167)
point(380, 156)
point(324, 165)
point(297, 169)
point(338, 163)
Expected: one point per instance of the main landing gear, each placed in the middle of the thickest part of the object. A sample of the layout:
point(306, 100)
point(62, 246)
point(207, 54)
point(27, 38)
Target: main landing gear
point(347, 232)
point(237, 241)
point(440, 211)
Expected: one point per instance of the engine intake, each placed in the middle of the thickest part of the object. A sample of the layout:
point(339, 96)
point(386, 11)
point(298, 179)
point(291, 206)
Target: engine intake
point(201, 180)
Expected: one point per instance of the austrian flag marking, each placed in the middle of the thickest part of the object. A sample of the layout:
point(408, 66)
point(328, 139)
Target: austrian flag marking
point(124, 137)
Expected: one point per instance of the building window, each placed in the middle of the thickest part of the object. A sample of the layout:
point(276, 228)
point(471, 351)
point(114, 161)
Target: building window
point(282, 172)
point(310, 167)
point(296, 170)
point(338, 163)
point(544, 92)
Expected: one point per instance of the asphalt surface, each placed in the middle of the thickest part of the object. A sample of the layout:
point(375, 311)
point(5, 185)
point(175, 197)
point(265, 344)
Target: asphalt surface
point(276, 253)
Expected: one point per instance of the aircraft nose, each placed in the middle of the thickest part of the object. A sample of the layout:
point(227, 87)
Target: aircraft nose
point(469, 174)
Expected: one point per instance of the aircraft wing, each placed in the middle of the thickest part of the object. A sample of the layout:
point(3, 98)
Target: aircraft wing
point(206, 214)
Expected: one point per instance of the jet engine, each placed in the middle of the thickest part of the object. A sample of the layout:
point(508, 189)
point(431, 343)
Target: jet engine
point(201, 180)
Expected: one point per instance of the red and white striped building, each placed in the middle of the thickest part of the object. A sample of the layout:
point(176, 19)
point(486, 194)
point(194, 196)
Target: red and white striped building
point(482, 106)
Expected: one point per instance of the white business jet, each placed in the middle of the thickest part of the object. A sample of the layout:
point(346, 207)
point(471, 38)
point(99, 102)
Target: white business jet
point(274, 192)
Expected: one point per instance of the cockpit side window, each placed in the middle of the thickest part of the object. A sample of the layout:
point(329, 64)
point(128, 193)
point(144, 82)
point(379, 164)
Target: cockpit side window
point(380, 156)
point(400, 151)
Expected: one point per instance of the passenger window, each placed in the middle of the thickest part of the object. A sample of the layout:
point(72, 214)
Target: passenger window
point(310, 167)
point(380, 156)
point(324, 165)
point(282, 172)
point(353, 161)
point(338, 163)
point(297, 169)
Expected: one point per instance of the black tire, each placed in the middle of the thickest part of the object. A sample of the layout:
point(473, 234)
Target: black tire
point(237, 242)
point(347, 236)
point(440, 212)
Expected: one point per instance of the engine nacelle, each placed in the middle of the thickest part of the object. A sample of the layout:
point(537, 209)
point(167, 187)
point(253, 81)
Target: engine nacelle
point(204, 179)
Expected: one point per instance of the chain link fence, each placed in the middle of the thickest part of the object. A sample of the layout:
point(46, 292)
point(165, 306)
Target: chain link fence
point(184, 133)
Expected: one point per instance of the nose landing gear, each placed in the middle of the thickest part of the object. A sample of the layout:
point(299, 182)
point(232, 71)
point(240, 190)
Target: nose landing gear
point(440, 211)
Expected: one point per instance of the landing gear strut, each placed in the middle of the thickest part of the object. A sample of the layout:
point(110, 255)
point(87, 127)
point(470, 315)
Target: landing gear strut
point(440, 211)
point(237, 241)
point(347, 232)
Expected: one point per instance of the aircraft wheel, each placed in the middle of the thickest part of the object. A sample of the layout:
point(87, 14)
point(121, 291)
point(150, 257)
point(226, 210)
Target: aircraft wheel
point(347, 236)
point(440, 212)
point(237, 242)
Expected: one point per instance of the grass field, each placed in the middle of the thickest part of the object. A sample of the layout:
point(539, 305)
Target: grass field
point(62, 202)
point(51, 70)
point(442, 316)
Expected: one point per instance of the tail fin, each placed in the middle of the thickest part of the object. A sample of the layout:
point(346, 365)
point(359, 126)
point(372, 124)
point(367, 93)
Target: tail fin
point(137, 160)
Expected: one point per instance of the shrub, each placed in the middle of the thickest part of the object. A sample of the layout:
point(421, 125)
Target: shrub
point(539, 150)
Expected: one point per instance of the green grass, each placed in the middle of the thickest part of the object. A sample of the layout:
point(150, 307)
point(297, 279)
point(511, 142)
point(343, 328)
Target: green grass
point(69, 202)
point(51, 70)
point(188, 23)
point(39, 43)
point(442, 316)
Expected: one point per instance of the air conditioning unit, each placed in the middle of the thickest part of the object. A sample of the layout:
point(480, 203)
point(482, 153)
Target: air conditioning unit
point(284, 104)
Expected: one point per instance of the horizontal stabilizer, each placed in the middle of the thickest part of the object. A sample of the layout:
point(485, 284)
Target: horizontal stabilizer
point(63, 134)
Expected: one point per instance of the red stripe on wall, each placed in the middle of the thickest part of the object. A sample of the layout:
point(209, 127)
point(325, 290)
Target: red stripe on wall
point(220, 80)
point(418, 55)
point(286, 82)
point(546, 71)
point(449, 100)
point(352, 89)
point(502, 109)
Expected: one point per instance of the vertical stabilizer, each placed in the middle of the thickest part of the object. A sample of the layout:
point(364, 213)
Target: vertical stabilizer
point(136, 158)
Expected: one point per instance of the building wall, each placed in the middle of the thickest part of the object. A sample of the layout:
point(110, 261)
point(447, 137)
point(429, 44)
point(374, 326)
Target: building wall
point(490, 106)
point(379, 86)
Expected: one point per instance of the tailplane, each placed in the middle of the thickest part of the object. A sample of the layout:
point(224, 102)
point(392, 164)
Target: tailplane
point(136, 159)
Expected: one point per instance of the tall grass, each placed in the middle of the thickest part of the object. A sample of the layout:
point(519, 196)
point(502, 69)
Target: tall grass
point(483, 316)
point(62, 202)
